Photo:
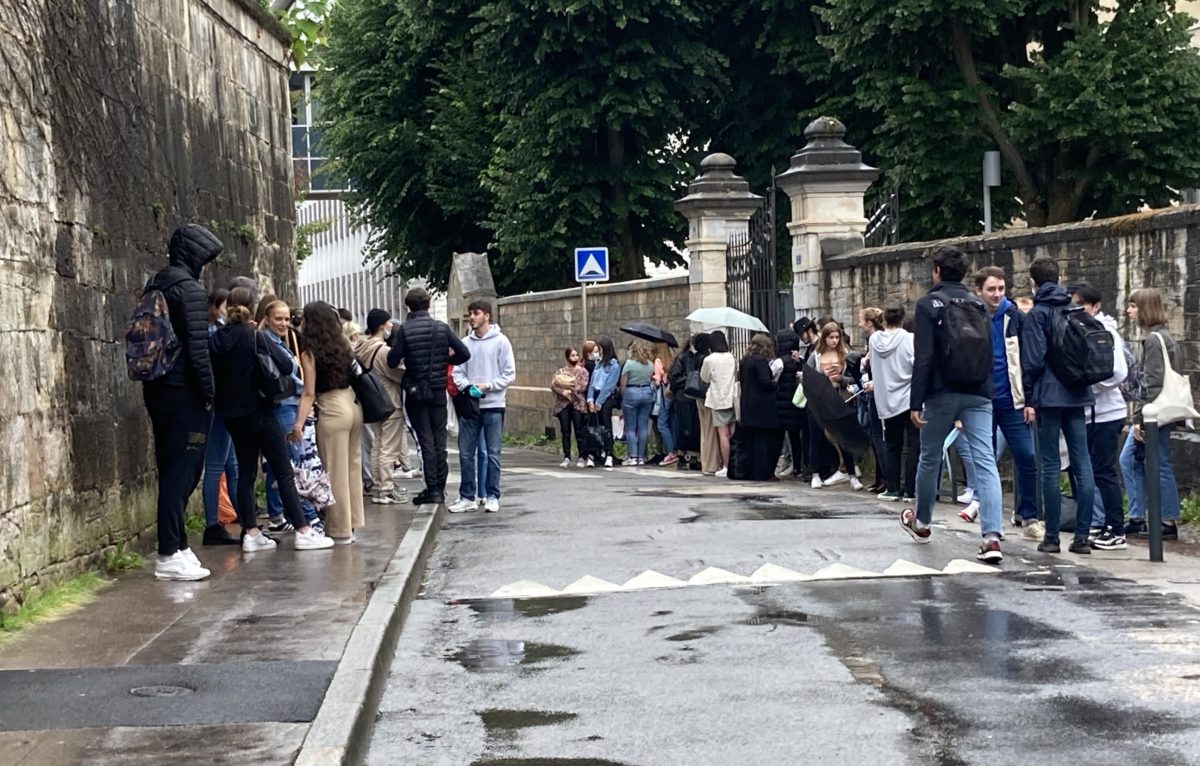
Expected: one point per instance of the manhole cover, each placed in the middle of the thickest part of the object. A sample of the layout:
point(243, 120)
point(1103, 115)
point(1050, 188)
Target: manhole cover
point(162, 690)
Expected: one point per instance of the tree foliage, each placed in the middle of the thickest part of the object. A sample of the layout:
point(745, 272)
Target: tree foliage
point(1091, 115)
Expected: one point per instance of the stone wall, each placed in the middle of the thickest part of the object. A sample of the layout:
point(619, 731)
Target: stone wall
point(119, 120)
point(542, 325)
point(1158, 249)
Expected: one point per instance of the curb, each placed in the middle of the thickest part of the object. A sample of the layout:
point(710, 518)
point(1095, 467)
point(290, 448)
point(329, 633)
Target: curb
point(341, 731)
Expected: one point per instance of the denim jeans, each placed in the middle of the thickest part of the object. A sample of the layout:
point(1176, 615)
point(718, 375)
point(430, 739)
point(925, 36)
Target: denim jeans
point(219, 459)
point(1133, 467)
point(666, 422)
point(285, 415)
point(479, 454)
point(1104, 442)
point(1071, 422)
point(636, 404)
point(975, 412)
point(1018, 436)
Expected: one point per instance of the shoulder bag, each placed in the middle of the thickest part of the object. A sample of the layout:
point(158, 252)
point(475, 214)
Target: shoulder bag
point(274, 385)
point(1174, 402)
point(372, 397)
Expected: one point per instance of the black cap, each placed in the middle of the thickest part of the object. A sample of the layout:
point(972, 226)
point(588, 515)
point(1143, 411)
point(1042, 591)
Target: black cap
point(802, 325)
point(377, 318)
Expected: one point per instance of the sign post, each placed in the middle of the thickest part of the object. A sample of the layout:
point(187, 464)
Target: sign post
point(591, 265)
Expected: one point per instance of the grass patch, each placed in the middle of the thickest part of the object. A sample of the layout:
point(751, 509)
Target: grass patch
point(122, 560)
point(62, 599)
point(193, 525)
point(1189, 510)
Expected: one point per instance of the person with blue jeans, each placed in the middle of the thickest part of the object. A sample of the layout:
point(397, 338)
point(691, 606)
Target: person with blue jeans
point(602, 389)
point(1147, 310)
point(1011, 415)
point(940, 396)
point(637, 400)
point(1058, 409)
point(277, 324)
point(489, 371)
point(219, 458)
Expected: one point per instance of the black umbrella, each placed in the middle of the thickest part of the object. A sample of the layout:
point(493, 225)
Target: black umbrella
point(651, 333)
point(836, 416)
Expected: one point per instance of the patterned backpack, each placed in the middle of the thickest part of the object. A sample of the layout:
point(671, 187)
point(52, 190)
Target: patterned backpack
point(151, 346)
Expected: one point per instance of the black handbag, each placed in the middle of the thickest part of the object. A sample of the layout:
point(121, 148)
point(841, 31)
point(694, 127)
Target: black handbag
point(695, 386)
point(371, 395)
point(466, 407)
point(592, 436)
point(273, 384)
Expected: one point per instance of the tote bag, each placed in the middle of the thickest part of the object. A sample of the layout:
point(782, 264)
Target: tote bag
point(376, 404)
point(1174, 402)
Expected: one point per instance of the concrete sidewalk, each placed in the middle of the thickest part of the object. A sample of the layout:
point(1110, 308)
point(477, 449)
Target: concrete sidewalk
point(229, 670)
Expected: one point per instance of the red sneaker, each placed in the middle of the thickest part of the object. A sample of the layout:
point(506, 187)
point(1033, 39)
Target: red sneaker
point(908, 520)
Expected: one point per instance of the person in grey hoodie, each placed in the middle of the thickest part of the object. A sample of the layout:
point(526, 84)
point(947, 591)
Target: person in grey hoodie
point(891, 370)
point(487, 374)
point(1057, 408)
point(1105, 419)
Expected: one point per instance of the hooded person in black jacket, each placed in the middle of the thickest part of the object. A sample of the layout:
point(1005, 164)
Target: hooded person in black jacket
point(937, 401)
point(180, 402)
point(427, 348)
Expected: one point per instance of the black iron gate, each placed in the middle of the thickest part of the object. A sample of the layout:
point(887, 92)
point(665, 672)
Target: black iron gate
point(751, 281)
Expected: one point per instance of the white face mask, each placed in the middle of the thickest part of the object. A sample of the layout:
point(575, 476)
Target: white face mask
point(387, 334)
point(595, 356)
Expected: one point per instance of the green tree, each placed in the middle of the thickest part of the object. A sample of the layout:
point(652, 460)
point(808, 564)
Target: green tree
point(1092, 115)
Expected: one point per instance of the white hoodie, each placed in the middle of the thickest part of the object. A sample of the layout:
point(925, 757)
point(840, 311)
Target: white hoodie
point(1110, 404)
point(891, 370)
point(491, 362)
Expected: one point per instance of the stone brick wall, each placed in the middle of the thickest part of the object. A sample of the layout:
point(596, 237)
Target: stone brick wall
point(118, 121)
point(1158, 249)
point(541, 325)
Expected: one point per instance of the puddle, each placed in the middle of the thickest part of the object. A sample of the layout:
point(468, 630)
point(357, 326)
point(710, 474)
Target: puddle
point(770, 616)
point(502, 609)
point(486, 654)
point(503, 721)
point(692, 635)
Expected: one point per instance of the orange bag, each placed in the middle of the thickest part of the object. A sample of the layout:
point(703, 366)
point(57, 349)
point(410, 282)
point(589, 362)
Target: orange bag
point(225, 512)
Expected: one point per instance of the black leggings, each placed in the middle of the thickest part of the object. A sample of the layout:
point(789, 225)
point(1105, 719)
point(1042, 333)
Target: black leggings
point(569, 418)
point(261, 433)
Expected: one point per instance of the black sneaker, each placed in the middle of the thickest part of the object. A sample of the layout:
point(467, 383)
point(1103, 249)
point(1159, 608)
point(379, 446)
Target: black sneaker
point(1135, 527)
point(1049, 546)
point(908, 520)
point(1095, 532)
point(1108, 541)
point(283, 525)
point(430, 498)
point(989, 552)
point(1170, 531)
point(1080, 546)
point(683, 465)
point(218, 535)
point(1017, 521)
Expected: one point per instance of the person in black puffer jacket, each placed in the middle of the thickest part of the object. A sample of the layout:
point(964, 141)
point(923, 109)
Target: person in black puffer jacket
point(793, 420)
point(180, 402)
point(427, 348)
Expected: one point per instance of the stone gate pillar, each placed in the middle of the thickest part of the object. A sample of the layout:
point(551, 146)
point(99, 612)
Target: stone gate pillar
point(825, 183)
point(718, 204)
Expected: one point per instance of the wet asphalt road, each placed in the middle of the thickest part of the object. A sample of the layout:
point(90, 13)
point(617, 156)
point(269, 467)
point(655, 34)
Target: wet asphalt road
point(1046, 663)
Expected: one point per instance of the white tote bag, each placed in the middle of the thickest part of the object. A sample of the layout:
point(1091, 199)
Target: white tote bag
point(1174, 402)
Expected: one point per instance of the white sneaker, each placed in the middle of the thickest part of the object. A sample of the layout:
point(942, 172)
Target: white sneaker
point(967, 496)
point(312, 541)
point(491, 505)
point(837, 478)
point(855, 484)
point(608, 462)
point(402, 475)
point(342, 540)
point(462, 505)
point(580, 463)
point(179, 566)
point(399, 495)
point(783, 470)
point(1034, 530)
point(590, 463)
point(383, 499)
point(191, 556)
point(722, 474)
point(257, 543)
point(970, 514)
point(816, 481)
point(566, 463)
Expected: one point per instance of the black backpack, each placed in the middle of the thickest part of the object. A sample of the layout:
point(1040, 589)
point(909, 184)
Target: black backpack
point(966, 344)
point(1080, 352)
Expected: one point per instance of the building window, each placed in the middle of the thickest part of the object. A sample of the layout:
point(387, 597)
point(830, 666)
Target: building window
point(307, 156)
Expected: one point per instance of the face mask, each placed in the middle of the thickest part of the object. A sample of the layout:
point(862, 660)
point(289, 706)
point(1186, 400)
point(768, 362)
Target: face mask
point(387, 334)
point(595, 356)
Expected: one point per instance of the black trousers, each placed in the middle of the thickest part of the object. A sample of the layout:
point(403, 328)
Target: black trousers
point(823, 456)
point(798, 439)
point(901, 438)
point(569, 419)
point(428, 421)
point(255, 434)
point(762, 446)
point(180, 424)
point(1104, 445)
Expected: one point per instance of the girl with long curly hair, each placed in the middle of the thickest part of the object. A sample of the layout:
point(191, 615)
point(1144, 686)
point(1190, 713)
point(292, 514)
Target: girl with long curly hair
point(326, 360)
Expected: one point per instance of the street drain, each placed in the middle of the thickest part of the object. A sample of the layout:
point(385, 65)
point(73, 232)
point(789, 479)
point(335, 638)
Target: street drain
point(161, 690)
